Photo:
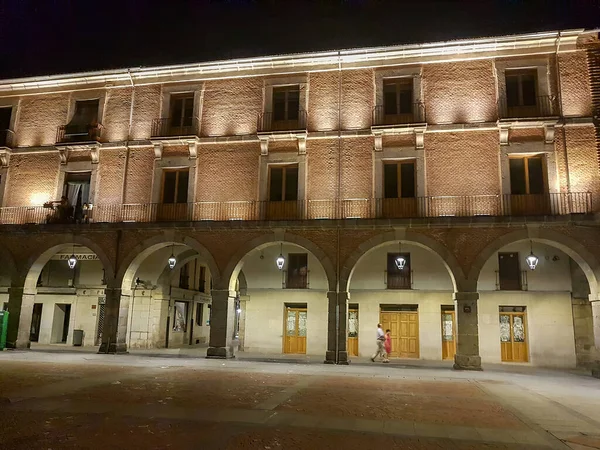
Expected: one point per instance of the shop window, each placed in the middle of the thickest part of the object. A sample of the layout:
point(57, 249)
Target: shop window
point(509, 271)
point(297, 272)
point(180, 319)
point(200, 314)
point(398, 278)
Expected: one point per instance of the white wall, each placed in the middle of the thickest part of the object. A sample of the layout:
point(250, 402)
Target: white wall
point(265, 319)
point(429, 271)
point(549, 326)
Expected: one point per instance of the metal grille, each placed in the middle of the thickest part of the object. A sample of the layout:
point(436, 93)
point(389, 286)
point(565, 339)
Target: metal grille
point(101, 312)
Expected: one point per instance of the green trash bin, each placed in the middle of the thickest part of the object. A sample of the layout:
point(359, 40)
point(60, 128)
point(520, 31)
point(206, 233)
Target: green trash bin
point(3, 328)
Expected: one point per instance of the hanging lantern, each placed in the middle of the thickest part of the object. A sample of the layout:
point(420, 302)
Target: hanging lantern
point(172, 260)
point(72, 261)
point(280, 261)
point(400, 260)
point(532, 260)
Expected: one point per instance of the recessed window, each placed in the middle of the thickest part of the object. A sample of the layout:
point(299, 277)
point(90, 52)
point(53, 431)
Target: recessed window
point(286, 103)
point(398, 278)
point(521, 88)
point(509, 271)
point(200, 314)
point(5, 115)
point(180, 319)
point(84, 124)
point(283, 183)
point(397, 96)
point(77, 191)
point(182, 113)
point(399, 179)
point(527, 175)
point(297, 272)
point(175, 186)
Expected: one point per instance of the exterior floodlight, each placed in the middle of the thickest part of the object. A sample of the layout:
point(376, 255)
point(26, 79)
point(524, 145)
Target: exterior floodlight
point(532, 260)
point(400, 260)
point(72, 261)
point(172, 260)
point(280, 259)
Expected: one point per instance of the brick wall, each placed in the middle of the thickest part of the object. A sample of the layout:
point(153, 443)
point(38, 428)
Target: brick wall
point(110, 176)
point(140, 167)
point(146, 108)
point(39, 118)
point(322, 167)
point(357, 99)
point(583, 170)
point(357, 168)
point(462, 163)
point(459, 92)
point(323, 101)
point(32, 179)
point(576, 95)
point(116, 114)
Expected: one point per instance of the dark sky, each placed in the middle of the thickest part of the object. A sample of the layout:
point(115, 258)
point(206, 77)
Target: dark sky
point(40, 37)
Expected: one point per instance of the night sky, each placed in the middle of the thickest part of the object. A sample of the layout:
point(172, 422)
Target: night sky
point(41, 37)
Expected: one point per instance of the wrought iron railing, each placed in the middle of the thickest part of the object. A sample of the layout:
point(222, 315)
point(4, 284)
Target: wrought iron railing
point(545, 106)
point(556, 204)
point(383, 118)
point(166, 128)
point(268, 122)
point(6, 138)
point(79, 133)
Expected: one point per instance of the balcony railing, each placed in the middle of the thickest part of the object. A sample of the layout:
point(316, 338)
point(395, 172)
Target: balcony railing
point(381, 118)
point(165, 128)
point(405, 208)
point(6, 138)
point(545, 106)
point(267, 122)
point(77, 133)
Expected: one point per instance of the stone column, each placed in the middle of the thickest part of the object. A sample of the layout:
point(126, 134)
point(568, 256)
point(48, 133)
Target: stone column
point(222, 325)
point(467, 336)
point(337, 328)
point(114, 334)
point(596, 325)
point(244, 299)
point(20, 312)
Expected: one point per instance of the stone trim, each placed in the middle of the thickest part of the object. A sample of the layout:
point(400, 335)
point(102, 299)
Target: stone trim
point(281, 158)
point(173, 162)
point(400, 154)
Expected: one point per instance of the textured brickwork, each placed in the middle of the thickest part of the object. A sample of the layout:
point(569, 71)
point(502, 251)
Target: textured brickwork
point(32, 179)
point(231, 107)
point(175, 150)
point(526, 134)
point(576, 94)
point(289, 146)
point(399, 140)
point(116, 114)
point(110, 176)
point(322, 162)
point(140, 169)
point(323, 101)
point(40, 117)
point(461, 164)
point(583, 171)
point(80, 156)
point(228, 172)
point(357, 168)
point(357, 99)
point(146, 108)
point(459, 92)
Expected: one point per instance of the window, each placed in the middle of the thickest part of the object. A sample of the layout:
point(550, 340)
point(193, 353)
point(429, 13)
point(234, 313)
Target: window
point(521, 88)
point(202, 279)
point(182, 113)
point(527, 175)
point(5, 115)
point(297, 273)
point(397, 96)
point(286, 103)
point(85, 120)
point(283, 183)
point(77, 191)
point(396, 278)
point(175, 186)
point(180, 319)
point(399, 179)
point(200, 314)
point(184, 276)
point(509, 271)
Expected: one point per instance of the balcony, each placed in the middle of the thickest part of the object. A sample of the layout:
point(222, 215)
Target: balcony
point(545, 106)
point(383, 119)
point(77, 134)
point(268, 123)
point(165, 128)
point(6, 138)
point(422, 207)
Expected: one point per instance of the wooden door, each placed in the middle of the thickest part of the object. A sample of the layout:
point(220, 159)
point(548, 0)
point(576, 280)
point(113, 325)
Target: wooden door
point(513, 337)
point(294, 340)
point(353, 332)
point(448, 334)
point(404, 331)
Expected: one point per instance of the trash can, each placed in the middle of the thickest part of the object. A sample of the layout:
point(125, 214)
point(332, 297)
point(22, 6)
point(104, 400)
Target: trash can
point(3, 328)
point(77, 338)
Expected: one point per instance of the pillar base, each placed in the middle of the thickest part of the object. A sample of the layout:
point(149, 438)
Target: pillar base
point(329, 357)
point(596, 370)
point(467, 362)
point(19, 345)
point(219, 353)
point(342, 359)
point(113, 349)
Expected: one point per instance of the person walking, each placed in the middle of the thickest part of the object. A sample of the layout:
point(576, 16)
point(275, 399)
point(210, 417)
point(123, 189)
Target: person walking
point(387, 345)
point(380, 341)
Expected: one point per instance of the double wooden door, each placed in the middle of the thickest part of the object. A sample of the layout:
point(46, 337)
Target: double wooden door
point(404, 331)
point(513, 337)
point(294, 340)
point(448, 334)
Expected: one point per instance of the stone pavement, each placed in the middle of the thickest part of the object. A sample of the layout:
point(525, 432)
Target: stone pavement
point(84, 400)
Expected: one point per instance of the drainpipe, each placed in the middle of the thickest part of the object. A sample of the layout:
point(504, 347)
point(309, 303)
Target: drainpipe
point(562, 118)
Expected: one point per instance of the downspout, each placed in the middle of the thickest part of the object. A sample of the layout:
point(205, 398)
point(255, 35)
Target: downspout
point(562, 118)
point(339, 208)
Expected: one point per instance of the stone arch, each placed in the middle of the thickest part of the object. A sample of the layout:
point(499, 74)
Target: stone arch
point(408, 237)
point(34, 265)
point(234, 265)
point(182, 259)
point(577, 251)
point(133, 261)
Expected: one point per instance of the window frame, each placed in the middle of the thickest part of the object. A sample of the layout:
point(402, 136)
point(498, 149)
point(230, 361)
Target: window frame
point(399, 163)
point(303, 281)
point(526, 159)
point(519, 74)
point(286, 89)
point(284, 168)
point(184, 97)
point(518, 280)
point(398, 82)
point(162, 186)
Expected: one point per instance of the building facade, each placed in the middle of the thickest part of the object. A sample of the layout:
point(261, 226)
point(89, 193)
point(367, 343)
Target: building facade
point(449, 191)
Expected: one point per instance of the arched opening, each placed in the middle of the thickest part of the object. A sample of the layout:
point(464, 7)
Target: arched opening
point(413, 299)
point(62, 299)
point(166, 295)
point(280, 310)
point(539, 316)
